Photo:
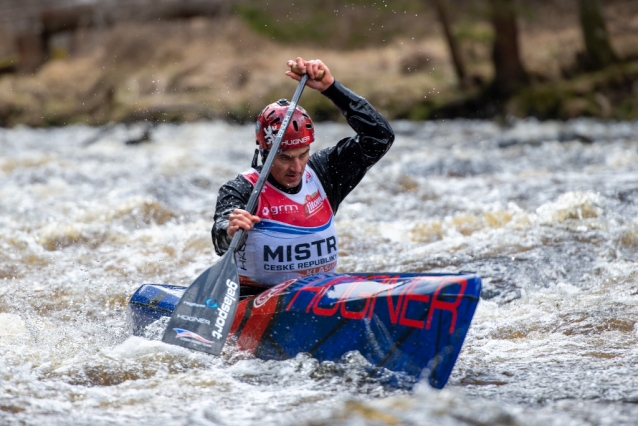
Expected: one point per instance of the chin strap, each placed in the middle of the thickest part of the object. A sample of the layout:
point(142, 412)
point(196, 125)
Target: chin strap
point(259, 152)
point(255, 158)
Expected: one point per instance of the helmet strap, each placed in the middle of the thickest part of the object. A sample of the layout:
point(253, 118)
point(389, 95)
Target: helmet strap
point(264, 155)
point(255, 157)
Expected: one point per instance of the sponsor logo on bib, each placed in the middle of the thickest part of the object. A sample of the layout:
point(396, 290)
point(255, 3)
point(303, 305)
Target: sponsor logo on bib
point(313, 204)
point(275, 210)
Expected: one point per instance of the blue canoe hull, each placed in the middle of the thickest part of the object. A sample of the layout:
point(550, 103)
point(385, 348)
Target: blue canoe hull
point(408, 323)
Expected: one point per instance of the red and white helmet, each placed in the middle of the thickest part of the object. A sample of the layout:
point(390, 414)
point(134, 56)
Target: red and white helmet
point(300, 132)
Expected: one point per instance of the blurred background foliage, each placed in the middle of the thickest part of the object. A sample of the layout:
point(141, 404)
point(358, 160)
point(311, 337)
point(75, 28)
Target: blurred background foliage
point(94, 62)
point(336, 24)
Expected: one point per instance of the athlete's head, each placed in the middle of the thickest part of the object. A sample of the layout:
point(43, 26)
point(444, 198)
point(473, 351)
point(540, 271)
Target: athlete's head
point(300, 132)
point(294, 152)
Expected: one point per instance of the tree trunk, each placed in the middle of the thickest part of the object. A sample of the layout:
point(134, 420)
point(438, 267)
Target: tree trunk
point(598, 51)
point(459, 66)
point(31, 52)
point(509, 74)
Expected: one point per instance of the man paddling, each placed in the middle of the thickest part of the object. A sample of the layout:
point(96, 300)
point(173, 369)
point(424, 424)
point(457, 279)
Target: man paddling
point(292, 232)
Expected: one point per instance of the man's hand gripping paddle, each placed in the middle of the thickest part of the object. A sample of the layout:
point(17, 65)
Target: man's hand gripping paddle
point(202, 318)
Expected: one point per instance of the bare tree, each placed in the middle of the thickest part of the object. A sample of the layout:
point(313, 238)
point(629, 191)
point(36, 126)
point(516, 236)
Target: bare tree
point(509, 74)
point(459, 66)
point(598, 50)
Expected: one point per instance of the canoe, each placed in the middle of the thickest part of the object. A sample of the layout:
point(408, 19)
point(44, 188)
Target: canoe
point(413, 324)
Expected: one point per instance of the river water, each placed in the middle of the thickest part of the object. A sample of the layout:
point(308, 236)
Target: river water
point(546, 213)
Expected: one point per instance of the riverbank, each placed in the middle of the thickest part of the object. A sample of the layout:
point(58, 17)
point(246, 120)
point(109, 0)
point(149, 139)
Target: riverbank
point(222, 68)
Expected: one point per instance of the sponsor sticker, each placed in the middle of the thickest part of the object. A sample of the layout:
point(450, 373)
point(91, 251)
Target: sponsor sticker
point(313, 203)
point(187, 334)
point(270, 293)
point(193, 319)
point(269, 134)
point(224, 308)
point(288, 208)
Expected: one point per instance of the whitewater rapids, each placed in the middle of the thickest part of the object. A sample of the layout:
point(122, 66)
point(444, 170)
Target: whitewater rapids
point(546, 213)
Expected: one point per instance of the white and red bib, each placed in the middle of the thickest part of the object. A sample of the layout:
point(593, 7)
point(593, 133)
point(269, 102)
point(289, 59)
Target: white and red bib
point(296, 235)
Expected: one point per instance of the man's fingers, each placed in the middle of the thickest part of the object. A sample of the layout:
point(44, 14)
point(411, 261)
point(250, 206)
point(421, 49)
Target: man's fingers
point(293, 75)
point(313, 70)
point(301, 64)
point(318, 73)
point(245, 223)
point(234, 226)
point(240, 219)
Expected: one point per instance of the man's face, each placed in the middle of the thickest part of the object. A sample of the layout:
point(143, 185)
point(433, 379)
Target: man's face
point(288, 167)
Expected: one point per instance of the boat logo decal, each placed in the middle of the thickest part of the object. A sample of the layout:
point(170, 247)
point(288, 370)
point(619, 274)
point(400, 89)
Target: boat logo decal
point(270, 293)
point(186, 334)
point(398, 301)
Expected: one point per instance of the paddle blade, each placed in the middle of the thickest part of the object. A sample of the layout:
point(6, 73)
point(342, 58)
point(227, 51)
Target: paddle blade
point(203, 316)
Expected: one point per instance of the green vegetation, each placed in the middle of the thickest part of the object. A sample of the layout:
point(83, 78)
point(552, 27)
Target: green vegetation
point(391, 52)
point(607, 94)
point(336, 24)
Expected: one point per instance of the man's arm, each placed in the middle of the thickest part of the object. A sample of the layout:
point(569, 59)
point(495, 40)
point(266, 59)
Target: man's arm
point(340, 168)
point(232, 195)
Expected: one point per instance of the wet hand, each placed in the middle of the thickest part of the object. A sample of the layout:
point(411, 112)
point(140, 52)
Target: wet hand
point(240, 219)
point(312, 68)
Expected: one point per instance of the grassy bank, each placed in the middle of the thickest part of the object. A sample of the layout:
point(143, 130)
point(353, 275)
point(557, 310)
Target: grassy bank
point(230, 67)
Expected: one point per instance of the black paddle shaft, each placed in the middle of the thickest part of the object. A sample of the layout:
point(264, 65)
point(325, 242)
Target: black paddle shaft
point(203, 316)
point(265, 171)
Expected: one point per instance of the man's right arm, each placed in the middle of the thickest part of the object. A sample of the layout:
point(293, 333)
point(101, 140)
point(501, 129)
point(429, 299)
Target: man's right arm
point(232, 195)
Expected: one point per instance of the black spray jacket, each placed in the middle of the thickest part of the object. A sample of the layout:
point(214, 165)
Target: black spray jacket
point(340, 168)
